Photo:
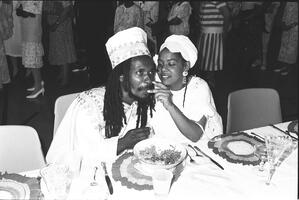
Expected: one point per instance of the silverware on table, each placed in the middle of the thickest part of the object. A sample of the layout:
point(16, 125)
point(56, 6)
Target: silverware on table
point(196, 153)
point(94, 182)
point(107, 178)
point(285, 132)
point(211, 159)
point(258, 136)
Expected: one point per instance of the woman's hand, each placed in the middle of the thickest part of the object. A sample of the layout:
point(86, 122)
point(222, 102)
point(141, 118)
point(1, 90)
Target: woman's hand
point(162, 94)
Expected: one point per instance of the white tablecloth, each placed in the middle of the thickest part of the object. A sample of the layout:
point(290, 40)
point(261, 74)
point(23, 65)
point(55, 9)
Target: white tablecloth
point(206, 181)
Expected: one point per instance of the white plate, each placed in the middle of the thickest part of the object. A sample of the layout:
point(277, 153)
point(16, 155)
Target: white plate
point(159, 146)
point(10, 189)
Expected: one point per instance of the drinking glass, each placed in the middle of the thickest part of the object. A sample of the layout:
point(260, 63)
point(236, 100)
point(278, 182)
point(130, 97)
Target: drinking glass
point(261, 153)
point(161, 181)
point(276, 146)
point(57, 180)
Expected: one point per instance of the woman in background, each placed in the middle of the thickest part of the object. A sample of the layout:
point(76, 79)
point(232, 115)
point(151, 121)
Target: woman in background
point(32, 48)
point(288, 53)
point(128, 15)
point(178, 18)
point(13, 45)
point(6, 26)
point(62, 50)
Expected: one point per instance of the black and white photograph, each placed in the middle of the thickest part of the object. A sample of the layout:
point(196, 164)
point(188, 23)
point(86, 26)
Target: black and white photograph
point(172, 100)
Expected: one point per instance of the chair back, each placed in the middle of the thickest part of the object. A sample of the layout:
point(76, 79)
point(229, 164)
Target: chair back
point(20, 149)
point(61, 105)
point(252, 108)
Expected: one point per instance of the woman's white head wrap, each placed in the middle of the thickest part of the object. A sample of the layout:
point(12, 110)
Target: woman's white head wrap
point(181, 44)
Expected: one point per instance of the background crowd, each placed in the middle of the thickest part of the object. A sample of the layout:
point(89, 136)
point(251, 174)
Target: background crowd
point(64, 37)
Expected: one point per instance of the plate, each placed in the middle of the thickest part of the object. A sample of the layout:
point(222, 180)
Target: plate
point(236, 148)
point(293, 126)
point(10, 189)
point(156, 153)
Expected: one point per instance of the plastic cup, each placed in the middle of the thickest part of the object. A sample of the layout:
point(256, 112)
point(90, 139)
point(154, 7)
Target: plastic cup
point(161, 181)
point(57, 180)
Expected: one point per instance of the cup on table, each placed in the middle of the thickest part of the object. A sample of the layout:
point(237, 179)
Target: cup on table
point(56, 181)
point(161, 181)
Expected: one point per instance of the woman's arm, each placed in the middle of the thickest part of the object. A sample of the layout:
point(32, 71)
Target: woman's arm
point(191, 129)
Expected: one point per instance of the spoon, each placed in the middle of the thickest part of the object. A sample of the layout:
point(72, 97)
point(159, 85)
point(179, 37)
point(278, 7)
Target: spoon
point(191, 160)
point(94, 183)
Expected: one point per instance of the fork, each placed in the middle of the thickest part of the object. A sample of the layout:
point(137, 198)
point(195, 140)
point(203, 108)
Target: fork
point(196, 153)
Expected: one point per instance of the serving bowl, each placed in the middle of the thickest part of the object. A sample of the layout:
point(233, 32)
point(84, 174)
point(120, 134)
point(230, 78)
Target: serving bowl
point(155, 153)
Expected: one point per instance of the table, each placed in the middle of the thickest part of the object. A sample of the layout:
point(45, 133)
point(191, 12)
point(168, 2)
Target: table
point(206, 181)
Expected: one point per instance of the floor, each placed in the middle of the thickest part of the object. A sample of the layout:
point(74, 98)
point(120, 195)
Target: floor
point(39, 113)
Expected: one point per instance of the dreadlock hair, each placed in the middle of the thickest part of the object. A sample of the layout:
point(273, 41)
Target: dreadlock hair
point(114, 114)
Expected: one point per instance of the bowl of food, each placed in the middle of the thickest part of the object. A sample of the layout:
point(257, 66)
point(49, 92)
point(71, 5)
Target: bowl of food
point(157, 153)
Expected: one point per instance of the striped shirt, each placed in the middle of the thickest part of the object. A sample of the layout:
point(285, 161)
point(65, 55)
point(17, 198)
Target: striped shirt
point(210, 15)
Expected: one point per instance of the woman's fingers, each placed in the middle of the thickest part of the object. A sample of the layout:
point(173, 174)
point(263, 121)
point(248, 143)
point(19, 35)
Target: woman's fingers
point(159, 85)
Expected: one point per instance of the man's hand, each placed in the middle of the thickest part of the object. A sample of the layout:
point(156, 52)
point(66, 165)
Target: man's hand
point(131, 138)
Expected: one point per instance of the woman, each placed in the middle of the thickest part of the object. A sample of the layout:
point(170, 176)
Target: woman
point(32, 48)
point(178, 18)
point(185, 104)
point(214, 20)
point(62, 51)
point(5, 33)
point(288, 53)
point(127, 15)
point(13, 46)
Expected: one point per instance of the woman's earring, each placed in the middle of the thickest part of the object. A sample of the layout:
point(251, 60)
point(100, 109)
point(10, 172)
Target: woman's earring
point(185, 73)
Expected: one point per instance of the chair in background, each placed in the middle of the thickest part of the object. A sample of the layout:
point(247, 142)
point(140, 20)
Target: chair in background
point(20, 149)
point(252, 108)
point(61, 105)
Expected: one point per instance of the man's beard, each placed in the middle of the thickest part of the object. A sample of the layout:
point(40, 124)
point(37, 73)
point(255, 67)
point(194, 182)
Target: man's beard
point(142, 100)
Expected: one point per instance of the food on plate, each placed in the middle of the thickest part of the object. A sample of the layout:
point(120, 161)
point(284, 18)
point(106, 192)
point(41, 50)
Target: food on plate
point(163, 157)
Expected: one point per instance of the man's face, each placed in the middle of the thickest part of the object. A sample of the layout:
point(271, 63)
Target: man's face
point(141, 75)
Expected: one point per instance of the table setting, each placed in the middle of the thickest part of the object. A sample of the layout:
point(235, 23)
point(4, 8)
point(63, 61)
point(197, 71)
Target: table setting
point(256, 163)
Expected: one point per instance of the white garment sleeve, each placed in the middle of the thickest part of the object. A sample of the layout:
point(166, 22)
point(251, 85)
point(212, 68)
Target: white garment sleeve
point(81, 132)
point(199, 103)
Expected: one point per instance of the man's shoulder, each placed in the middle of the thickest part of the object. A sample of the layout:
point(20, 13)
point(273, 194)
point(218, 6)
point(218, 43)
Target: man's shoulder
point(94, 94)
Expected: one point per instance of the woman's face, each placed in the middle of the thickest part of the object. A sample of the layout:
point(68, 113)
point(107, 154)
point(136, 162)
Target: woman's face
point(141, 75)
point(170, 69)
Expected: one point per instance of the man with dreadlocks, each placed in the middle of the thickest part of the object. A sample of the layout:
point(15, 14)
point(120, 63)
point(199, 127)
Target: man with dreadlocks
point(184, 103)
point(105, 121)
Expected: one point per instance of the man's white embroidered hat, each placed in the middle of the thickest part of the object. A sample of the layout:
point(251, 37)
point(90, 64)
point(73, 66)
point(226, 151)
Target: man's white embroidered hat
point(126, 44)
point(181, 44)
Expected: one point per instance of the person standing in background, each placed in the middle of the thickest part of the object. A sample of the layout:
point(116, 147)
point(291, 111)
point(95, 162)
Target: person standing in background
point(62, 50)
point(32, 48)
point(127, 15)
point(150, 13)
point(178, 18)
point(214, 19)
point(270, 12)
point(288, 53)
point(6, 27)
point(13, 45)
